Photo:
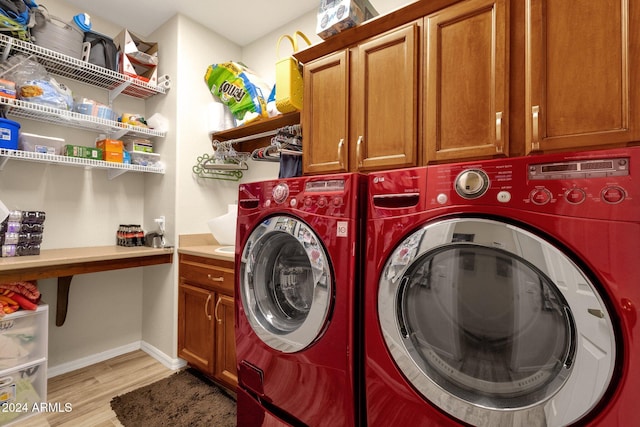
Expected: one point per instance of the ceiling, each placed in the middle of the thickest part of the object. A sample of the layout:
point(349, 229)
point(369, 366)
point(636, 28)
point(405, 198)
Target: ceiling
point(241, 21)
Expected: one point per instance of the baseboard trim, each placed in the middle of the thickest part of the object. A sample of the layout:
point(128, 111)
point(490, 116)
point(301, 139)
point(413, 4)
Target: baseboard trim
point(170, 363)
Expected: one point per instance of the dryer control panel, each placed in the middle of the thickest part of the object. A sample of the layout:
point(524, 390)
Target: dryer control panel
point(595, 184)
point(592, 184)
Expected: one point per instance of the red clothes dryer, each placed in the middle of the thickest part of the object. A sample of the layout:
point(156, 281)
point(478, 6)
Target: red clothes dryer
point(297, 295)
point(505, 292)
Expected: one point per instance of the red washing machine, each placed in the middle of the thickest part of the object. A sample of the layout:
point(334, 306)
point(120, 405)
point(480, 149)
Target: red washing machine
point(298, 290)
point(505, 292)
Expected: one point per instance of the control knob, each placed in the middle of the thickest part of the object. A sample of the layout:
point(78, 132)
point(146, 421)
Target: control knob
point(472, 183)
point(613, 194)
point(280, 193)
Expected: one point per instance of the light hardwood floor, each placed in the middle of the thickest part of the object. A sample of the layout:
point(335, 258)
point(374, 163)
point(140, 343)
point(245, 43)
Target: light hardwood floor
point(89, 390)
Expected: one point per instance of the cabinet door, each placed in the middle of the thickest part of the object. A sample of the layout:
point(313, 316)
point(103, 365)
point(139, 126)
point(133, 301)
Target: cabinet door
point(325, 115)
point(580, 89)
point(196, 327)
point(385, 96)
point(467, 76)
point(226, 367)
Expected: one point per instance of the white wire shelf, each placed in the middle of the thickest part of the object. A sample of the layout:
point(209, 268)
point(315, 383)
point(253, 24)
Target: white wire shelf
point(113, 169)
point(76, 69)
point(56, 116)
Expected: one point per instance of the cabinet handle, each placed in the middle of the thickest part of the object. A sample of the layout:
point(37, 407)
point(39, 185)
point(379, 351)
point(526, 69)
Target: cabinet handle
point(215, 311)
point(535, 137)
point(340, 156)
point(206, 307)
point(499, 131)
point(358, 152)
point(215, 279)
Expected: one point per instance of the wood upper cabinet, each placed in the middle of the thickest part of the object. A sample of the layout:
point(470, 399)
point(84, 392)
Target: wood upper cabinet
point(361, 105)
point(581, 71)
point(206, 333)
point(448, 81)
point(467, 81)
point(385, 96)
point(325, 115)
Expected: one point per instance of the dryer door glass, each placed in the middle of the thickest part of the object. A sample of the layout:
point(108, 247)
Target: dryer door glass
point(497, 318)
point(286, 283)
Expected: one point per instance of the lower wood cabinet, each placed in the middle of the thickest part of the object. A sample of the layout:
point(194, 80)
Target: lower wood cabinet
point(206, 336)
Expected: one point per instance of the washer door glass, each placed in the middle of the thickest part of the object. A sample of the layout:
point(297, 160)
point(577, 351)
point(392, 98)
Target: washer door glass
point(498, 319)
point(285, 283)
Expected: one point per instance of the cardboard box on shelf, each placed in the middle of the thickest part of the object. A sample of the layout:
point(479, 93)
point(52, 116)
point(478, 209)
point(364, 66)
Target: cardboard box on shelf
point(338, 15)
point(112, 156)
point(111, 149)
point(110, 145)
point(7, 88)
point(137, 58)
point(137, 144)
point(82, 151)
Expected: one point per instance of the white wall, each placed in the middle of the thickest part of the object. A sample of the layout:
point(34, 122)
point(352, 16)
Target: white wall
point(187, 49)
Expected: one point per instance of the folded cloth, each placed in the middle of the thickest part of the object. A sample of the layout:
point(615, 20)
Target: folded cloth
point(27, 289)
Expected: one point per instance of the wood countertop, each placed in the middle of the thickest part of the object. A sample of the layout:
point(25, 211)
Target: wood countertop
point(70, 261)
point(203, 245)
point(66, 262)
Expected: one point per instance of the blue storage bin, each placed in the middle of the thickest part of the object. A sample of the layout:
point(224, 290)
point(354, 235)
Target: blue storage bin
point(9, 131)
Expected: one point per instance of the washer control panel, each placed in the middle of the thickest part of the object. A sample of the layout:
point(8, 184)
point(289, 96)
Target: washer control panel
point(328, 195)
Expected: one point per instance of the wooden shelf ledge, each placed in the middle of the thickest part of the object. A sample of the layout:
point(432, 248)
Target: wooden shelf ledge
point(65, 263)
point(249, 133)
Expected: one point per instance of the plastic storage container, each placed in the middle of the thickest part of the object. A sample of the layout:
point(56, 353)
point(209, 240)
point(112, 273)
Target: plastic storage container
point(144, 159)
point(23, 337)
point(22, 391)
point(9, 131)
point(92, 108)
point(40, 143)
point(23, 364)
